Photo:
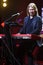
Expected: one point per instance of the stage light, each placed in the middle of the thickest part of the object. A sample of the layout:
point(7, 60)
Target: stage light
point(4, 4)
point(4, 0)
point(3, 24)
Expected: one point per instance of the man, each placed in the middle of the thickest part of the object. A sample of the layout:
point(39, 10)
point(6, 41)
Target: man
point(32, 25)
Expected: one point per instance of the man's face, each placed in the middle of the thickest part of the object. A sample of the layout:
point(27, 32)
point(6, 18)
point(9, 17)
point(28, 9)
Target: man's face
point(31, 11)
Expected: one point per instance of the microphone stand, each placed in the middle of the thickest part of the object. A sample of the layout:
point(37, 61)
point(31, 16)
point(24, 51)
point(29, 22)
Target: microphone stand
point(9, 38)
point(10, 18)
point(14, 58)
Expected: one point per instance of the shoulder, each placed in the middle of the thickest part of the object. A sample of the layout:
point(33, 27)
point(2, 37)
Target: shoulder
point(38, 18)
point(26, 19)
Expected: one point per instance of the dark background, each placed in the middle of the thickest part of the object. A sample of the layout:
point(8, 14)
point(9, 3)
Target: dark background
point(15, 6)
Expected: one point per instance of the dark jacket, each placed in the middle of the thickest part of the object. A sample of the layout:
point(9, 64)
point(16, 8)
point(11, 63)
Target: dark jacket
point(31, 26)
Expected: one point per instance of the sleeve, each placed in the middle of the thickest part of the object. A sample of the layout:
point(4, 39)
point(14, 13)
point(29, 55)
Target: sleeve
point(37, 27)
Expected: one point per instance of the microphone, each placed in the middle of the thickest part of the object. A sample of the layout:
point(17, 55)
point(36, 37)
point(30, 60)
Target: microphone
point(16, 14)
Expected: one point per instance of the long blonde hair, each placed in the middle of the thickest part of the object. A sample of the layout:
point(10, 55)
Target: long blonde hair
point(33, 5)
